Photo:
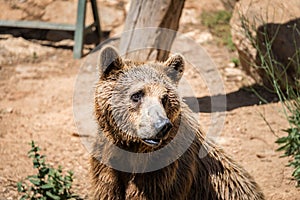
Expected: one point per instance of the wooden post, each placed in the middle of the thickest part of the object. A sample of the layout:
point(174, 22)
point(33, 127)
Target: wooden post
point(150, 13)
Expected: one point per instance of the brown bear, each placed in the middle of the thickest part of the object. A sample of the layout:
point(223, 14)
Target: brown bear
point(148, 143)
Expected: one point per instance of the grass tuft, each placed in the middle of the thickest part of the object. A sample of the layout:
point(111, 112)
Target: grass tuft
point(218, 24)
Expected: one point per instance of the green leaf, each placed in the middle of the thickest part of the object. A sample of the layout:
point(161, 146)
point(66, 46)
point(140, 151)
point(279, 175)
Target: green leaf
point(20, 187)
point(44, 171)
point(70, 173)
point(281, 140)
point(35, 182)
point(284, 147)
point(51, 172)
point(24, 197)
point(32, 176)
point(52, 196)
point(59, 169)
point(47, 186)
point(36, 163)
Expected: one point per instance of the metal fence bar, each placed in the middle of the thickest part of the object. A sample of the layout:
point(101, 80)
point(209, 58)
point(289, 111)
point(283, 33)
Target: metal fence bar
point(80, 29)
point(37, 25)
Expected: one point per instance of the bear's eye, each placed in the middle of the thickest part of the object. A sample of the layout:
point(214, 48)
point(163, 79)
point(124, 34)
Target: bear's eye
point(164, 99)
point(136, 97)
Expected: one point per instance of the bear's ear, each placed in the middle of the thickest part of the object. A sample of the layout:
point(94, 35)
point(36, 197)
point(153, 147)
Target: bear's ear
point(174, 67)
point(109, 61)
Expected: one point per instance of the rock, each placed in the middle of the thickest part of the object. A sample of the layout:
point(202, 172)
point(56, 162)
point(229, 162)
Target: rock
point(61, 12)
point(204, 37)
point(14, 50)
point(7, 13)
point(279, 20)
point(233, 74)
point(43, 3)
point(231, 65)
point(189, 16)
point(199, 37)
point(7, 110)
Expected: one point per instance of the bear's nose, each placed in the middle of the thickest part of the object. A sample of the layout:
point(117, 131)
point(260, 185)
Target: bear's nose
point(162, 127)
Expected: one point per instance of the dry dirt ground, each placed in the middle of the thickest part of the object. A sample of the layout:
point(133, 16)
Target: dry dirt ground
point(36, 89)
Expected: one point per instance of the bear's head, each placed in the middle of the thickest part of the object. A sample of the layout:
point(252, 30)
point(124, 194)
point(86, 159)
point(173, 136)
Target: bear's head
point(137, 104)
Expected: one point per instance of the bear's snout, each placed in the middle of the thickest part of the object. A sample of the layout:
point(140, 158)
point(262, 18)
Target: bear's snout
point(162, 126)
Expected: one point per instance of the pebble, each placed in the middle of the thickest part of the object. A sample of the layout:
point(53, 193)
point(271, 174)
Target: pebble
point(7, 110)
point(231, 65)
point(204, 37)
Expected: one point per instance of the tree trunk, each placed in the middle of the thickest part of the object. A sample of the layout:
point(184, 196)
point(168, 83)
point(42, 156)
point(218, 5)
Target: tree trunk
point(154, 42)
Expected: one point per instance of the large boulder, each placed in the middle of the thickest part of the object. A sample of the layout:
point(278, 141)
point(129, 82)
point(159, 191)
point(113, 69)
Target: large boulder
point(268, 27)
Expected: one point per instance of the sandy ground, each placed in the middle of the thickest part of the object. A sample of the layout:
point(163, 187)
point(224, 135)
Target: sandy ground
point(36, 103)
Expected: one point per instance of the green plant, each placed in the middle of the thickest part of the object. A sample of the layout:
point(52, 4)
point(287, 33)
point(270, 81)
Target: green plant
point(235, 61)
point(218, 24)
point(34, 56)
point(290, 144)
point(288, 92)
point(48, 183)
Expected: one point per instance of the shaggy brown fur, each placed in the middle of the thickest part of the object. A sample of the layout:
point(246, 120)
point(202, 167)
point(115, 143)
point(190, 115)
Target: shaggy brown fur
point(214, 176)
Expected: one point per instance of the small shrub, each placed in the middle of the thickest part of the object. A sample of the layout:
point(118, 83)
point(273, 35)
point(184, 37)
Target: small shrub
point(48, 183)
point(290, 144)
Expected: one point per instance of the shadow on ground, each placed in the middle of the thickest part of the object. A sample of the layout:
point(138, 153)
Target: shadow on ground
point(52, 36)
point(247, 96)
